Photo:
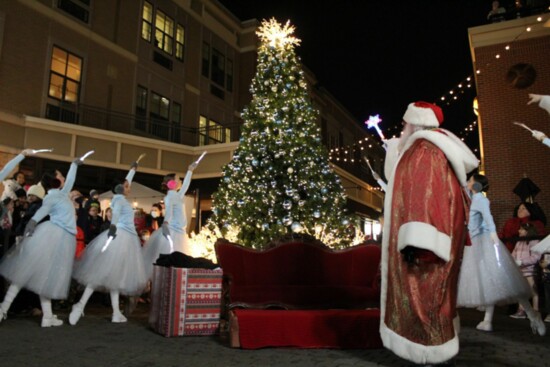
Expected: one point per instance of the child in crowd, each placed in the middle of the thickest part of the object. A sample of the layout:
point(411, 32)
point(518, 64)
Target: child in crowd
point(526, 260)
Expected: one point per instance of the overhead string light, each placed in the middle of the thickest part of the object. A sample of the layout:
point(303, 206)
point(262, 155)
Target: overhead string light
point(543, 21)
point(347, 153)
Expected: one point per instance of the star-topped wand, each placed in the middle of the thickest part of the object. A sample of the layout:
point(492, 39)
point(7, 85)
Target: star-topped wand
point(373, 121)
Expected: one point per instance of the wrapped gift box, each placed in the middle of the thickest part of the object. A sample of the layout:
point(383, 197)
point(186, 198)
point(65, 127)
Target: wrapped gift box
point(185, 301)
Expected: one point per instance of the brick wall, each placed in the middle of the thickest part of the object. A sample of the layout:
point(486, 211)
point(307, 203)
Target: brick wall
point(510, 152)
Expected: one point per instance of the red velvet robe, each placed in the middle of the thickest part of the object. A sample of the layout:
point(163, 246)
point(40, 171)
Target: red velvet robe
point(425, 209)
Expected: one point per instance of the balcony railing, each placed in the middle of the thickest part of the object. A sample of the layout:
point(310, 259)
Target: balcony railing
point(526, 9)
point(154, 127)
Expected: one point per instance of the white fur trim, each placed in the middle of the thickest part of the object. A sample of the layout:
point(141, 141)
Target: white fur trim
point(392, 155)
point(424, 236)
point(418, 353)
point(420, 116)
point(458, 154)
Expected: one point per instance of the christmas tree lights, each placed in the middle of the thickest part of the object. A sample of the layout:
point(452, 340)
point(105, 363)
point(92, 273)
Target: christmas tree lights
point(279, 180)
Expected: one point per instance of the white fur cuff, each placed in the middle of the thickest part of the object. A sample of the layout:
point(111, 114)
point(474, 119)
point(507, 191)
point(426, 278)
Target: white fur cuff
point(424, 236)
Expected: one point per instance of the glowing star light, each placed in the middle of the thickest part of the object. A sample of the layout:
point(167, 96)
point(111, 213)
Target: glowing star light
point(373, 121)
point(272, 33)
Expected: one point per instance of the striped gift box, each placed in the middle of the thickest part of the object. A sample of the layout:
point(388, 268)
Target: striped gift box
point(185, 301)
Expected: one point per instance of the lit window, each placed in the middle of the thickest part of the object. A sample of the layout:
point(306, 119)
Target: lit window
point(211, 132)
point(164, 32)
point(147, 21)
point(65, 75)
point(180, 40)
point(160, 106)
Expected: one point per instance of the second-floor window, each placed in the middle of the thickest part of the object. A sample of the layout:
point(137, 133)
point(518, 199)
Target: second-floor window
point(147, 21)
point(218, 67)
point(211, 132)
point(164, 32)
point(65, 75)
point(160, 106)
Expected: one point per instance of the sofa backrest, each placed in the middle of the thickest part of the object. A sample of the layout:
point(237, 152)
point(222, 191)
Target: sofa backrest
point(299, 263)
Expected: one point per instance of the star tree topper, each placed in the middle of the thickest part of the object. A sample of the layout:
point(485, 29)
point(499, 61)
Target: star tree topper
point(271, 32)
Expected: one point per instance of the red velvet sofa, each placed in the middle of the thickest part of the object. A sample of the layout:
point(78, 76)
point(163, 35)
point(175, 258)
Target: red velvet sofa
point(300, 275)
point(301, 294)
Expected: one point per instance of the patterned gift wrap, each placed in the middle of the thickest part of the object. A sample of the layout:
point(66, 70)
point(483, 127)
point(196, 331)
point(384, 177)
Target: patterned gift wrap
point(185, 301)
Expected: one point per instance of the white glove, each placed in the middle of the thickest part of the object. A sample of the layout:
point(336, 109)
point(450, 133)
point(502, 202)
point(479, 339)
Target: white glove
point(534, 98)
point(494, 237)
point(540, 136)
point(518, 262)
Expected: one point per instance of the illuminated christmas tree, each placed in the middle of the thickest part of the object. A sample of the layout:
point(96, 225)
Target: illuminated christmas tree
point(279, 180)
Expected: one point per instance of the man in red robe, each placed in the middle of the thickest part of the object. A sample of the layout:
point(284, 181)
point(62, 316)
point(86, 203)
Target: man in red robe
point(425, 229)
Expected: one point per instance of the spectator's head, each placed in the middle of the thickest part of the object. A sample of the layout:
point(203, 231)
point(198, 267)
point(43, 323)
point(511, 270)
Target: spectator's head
point(21, 195)
point(530, 210)
point(156, 210)
point(108, 214)
point(35, 193)
point(19, 177)
point(93, 207)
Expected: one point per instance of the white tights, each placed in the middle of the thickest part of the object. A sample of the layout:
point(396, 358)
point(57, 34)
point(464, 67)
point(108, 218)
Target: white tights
point(88, 293)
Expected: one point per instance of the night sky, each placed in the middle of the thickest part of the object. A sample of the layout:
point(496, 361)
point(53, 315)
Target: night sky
point(376, 57)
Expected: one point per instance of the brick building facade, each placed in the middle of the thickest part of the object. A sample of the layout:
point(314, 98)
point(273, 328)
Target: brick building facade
point(512, 60)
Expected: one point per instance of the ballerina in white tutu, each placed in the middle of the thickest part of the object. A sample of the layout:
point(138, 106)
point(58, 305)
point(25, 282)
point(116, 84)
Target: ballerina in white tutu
point(112, 262)
point(43, 262)
point(489, 275)
point(172, 235)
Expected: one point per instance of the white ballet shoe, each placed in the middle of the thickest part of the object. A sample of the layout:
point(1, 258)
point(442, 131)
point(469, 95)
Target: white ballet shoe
point(76, 313)
point(118, 318)
point(485, 326)
point(51, 321)
point(3, 315)
point(537, 325)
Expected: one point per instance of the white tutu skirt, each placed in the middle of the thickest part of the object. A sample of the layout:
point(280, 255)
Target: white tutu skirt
point(120, 268)
point(43, 262)
point(159, 244)
point(489, 275)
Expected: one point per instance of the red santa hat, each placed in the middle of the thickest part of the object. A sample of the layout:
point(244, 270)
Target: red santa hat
point(423, 114)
